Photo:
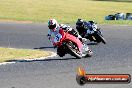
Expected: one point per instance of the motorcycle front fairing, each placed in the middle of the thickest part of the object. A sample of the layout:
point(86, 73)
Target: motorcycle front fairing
point(74, 39)
point(58, 39)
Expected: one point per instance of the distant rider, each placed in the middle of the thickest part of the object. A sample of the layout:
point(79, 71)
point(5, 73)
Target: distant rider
point(85, 27)
point(56, 28)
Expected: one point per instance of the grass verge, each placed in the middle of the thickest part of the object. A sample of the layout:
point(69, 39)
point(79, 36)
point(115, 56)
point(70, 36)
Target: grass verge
point(7, 54)
point(66, 11)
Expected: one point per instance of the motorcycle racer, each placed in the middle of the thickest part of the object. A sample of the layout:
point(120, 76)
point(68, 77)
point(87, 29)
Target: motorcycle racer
point(84, 27)
point(56, 28)
point(89, 30)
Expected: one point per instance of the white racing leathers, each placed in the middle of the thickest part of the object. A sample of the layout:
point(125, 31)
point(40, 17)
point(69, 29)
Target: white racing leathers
point(54, 36)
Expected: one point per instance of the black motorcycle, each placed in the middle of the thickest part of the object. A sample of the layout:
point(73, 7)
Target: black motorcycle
point(96, 36)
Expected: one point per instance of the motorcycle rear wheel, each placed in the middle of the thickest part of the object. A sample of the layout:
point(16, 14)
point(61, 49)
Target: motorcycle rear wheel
point(60, 52)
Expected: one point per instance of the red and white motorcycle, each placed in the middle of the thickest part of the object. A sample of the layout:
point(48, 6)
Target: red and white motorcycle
point(69, 44)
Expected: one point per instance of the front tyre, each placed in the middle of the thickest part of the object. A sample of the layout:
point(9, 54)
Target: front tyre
point(73, 50)
point(101, 38)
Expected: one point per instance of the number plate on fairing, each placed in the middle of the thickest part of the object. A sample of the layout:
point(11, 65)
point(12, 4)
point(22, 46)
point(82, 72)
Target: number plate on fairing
point(57, 38)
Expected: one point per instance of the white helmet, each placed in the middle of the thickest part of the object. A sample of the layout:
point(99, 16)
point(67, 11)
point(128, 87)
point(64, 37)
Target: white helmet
point(52, 24)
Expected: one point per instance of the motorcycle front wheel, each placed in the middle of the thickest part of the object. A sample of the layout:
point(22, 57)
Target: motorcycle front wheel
point(73, 50)
point(101, 38)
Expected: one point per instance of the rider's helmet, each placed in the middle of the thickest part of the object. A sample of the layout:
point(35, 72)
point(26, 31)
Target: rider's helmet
point(80, 23)
point(52, 24)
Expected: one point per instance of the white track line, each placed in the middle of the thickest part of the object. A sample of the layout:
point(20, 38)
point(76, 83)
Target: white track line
point(4, 63)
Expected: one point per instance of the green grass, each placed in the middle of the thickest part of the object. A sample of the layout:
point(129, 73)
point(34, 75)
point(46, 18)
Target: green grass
point(65, 11)
point(7, 54)
point(116, 0)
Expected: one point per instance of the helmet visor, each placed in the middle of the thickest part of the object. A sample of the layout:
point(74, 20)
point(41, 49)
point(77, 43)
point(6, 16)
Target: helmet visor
point(52, 26)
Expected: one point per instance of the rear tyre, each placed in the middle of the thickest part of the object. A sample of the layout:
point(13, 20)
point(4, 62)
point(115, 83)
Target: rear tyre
point(60, 52)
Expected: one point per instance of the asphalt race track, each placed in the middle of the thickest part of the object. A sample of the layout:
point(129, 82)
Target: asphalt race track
point(114, 57)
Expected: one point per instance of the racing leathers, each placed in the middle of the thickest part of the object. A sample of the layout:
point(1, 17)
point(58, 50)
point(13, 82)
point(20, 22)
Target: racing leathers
point(88, 28)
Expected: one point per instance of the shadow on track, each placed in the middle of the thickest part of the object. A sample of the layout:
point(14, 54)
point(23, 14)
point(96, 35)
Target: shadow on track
point(92, 44)
point(44, 47)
